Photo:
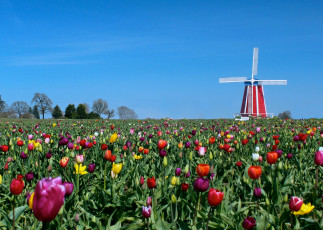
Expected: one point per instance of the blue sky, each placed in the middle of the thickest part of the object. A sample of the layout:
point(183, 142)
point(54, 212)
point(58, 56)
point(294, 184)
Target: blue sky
point(162, 58)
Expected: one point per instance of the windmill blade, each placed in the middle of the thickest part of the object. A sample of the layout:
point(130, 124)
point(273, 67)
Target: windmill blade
point(272, 82)
point(255, 61)
point(232, 79)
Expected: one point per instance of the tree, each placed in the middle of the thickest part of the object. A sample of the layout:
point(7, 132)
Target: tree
point(94, 115)
point(20, 107)
point(126, 113)
point(87, 107)
point(110, 113)
point(57, 112)
point(285, 115)
point(70, 111)
point(100, 106)
point(35, 112)
point(2, 105)
point(43, 103)
point(81, 112)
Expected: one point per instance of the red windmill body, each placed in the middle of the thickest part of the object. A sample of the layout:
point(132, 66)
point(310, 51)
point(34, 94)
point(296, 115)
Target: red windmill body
point(253, 101)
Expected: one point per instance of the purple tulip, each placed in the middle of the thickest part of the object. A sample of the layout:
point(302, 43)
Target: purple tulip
point(289, 156)
point(29, 176)
point(23, 155)
point(146, 211)
point(279, 152)
point(296, 138)
point(318, 159)
point(141, 139)
point(162, 153)
point(91, 168)
point(48, 155)
point(257, 192)
point(193, 132)
point(178, 172)
point(128, 144)
point(63, 141)
point(48, 199)
point(249, 223)
point(201, 184)
point(188, 174)
point(187, 144)
point(150, 136)
point(70, 145)
point(212, 176)
point(69, 187)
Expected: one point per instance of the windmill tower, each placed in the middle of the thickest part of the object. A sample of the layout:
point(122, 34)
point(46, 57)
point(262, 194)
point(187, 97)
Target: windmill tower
point(253, 102)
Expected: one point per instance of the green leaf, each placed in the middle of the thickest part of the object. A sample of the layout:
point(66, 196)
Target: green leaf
point(18, 212)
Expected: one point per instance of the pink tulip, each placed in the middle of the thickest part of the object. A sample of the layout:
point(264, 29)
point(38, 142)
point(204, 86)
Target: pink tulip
point(48, 199)
point(318, 159)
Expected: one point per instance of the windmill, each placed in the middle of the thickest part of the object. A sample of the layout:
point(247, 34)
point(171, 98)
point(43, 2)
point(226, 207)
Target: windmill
point(253, 102)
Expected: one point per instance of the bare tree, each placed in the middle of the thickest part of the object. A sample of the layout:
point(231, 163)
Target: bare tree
point(285, 115)
point(43, 103)
point(100, 106)
point(110, 113)
point(126, 113)
point(20, 107)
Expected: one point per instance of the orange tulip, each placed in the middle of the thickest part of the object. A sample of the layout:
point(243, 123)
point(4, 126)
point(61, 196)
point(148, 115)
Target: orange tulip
point(272, 157)
point(203, 169)
point(254, 172)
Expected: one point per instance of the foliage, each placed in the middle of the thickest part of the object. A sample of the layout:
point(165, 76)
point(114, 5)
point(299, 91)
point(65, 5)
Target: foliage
point(285, 115)
point(70, 111)
point(57, 112)
point(35, 112)
point(81, 112)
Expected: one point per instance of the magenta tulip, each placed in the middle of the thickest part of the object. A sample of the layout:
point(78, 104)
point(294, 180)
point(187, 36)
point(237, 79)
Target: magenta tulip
point(48, 199)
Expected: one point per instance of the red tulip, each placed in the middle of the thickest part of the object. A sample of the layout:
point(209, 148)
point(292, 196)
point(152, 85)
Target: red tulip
point(151, 182)
point(211, 140)
point(239, 163)
point(203, 169)
point(245, 141)
point(17, 185)
point(185, 187)
point(146, 151)
point(161, 144)
point(254, 172)
point(20, 143)
point(295, 203)
point(214, 197)
point(104, 147)
point(272, 157)
point(5, 148)
point(109, 157)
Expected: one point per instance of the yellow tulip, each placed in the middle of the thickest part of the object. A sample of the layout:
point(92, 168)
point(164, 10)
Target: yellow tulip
point(0, 179)
point(116, 168)
point(54, 125)
point(113, 138)
point(306, 208)
point(79, 169)
point(174, 180)
point(137, 157)
point(31, 200)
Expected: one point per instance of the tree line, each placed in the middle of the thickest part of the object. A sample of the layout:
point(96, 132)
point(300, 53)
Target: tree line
point(41, 104)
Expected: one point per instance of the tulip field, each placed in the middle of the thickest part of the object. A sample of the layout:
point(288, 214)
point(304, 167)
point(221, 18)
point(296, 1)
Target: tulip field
point(161, 174)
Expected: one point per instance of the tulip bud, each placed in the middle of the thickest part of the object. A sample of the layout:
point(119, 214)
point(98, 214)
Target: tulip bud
point(149, 201)
point(186, 169)
point(211, 155)
point(174, 199)
point(77, 218)
point(257, 192)
point(280, 165)
point(191, 156)
point(165, 161)
point(61, 210)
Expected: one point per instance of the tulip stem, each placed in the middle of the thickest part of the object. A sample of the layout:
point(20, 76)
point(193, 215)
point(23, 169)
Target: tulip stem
point(105, 175)
point(208, 218)
point(13, 212)
point(197, 202)
point(316, 179)
point(148, 223)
